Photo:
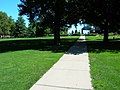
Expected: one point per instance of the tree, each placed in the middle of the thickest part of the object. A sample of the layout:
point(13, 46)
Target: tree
point(6, 24)
point(102, 13)
point(64, 30)
point(59, 13)
point(48, 31)
point(72, 32)
point(48, 12)
point(20, 28)
point(12, 25)
point(40, 30)
point(31, 30)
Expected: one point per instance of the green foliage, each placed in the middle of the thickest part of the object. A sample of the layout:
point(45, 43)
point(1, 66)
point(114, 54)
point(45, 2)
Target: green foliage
point(58, 13)
point(7, 24)
point(48, 31)
point(49, 13)
point(12, 25)
point(20, 28)
point(31, 30)
point(64, 31)
point(40, 30)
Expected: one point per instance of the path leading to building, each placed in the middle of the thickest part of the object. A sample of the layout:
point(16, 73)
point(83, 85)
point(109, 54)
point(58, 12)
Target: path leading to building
point(71, 72)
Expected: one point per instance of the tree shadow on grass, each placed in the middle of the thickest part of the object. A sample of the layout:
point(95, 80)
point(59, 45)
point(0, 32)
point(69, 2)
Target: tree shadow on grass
point(36, 44)
point(100, 46)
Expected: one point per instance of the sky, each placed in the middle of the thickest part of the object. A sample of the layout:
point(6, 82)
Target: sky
point(10, 7)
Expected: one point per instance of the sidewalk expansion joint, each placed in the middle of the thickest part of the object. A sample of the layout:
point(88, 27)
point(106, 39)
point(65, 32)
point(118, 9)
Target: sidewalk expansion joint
point(70, 69)
point(62, 87)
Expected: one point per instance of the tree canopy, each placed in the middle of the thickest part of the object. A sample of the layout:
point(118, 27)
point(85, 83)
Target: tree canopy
point(20, 28)
point(6, 24)
point(103, 13)
point(59, 13)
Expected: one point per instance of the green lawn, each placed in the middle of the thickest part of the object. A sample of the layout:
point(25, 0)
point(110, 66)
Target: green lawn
point(105, 63)
point(96, 38)
point(100, 37)
point(38, 38)
point(24, 61)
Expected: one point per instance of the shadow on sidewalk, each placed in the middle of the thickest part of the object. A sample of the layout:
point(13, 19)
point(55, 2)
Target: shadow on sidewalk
point(78, 48)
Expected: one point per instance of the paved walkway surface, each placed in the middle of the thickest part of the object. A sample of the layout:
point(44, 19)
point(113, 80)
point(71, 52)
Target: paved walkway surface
point(71, 72)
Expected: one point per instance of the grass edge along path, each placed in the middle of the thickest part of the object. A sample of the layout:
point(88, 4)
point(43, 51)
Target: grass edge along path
point(105, 63)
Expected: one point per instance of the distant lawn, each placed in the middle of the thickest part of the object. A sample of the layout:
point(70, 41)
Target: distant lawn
point(105, 63)
point(10, 39)
point(96, 38)
point(100, 37)
point(24, 61)
point(45, 37)
point(42, 43)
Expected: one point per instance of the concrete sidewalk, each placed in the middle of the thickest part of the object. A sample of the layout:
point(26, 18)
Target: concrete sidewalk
point(71, 72)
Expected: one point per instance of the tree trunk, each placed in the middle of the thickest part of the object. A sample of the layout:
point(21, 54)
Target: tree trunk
point(105, 35)
point(105, 39)
point(57, 35)
point(82, 31)
point(59, 10)
point(56, 30)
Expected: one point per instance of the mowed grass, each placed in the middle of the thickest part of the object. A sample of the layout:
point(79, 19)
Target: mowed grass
point(38, 38)
point(23, 62)
point(19, 70)
point(105, 63)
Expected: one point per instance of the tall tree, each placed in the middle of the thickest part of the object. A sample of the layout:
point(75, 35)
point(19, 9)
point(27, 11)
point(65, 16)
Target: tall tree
point(6, 24)
point(31, 30)
point(59, 13)
point(12, 25)
point(102, 13)
point(20, 28)
point(48, 12)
